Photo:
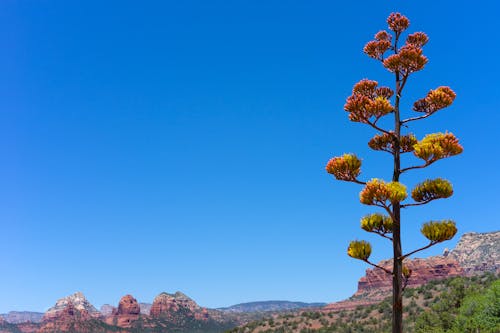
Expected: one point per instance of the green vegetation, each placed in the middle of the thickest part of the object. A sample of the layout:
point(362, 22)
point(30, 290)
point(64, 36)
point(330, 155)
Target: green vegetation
point(456, 305)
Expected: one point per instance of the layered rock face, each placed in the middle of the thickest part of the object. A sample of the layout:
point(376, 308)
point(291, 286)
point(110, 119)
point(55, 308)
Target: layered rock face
point(67, 319)
point(423, 271)
point(171, 305)
point(77, 301)
point(477, 252)
point(126, 314)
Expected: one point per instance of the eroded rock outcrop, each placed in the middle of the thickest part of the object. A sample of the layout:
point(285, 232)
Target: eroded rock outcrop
point(126, 314)
point(172, 305)
point(423, 271)
point(67, 319)
point(77, 302)
point(477, 252)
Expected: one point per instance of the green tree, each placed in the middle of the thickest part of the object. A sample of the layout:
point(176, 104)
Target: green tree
point(480, 312)
point(368, 104)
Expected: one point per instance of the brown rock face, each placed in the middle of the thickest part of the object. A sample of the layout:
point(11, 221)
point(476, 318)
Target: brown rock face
point(171, 306)
point(475, 253)
point(67, 320)
point(77, 301)
point(126, 314)
point(128, 306)
point(377, 284)
point(423, 271)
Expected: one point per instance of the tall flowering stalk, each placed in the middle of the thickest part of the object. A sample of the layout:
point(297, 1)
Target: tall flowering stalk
point(367, 104)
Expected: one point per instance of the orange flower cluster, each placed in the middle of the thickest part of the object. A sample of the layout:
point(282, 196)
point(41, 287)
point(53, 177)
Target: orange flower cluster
point(432, 189)
point(409, 59)
point(346, 167)
point(397, 22)
point(368, 101)
point(385, 142)
point(376, 48)
point(435, 100)
point(417, 39)
point(437, 146)
point(377, 191)
point(437, 232)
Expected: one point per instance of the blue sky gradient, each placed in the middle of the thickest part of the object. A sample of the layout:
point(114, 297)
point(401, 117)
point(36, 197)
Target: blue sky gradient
point(181, 145)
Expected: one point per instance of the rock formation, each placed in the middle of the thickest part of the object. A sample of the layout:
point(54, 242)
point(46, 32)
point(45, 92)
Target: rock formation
point(171, 305)
point(66, 319)
point(477, 252)
point(423, 271)
point(126, 314)
point(77, 301)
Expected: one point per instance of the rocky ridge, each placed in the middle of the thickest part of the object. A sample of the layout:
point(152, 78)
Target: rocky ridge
point(267, 306)
point(17, 317)
point(77, 301)
point(475, 253)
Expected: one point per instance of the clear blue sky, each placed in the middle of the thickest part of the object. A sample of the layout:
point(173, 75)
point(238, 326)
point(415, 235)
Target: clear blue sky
point(181, 145)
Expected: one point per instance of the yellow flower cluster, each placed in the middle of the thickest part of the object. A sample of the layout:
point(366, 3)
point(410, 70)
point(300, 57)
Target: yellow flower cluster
point(432, 189)
point(377, 223)
point(437, 146)
point(439, 231)
point(406, 272)
point(376, 191)
point(359, 250)
point(346, 167)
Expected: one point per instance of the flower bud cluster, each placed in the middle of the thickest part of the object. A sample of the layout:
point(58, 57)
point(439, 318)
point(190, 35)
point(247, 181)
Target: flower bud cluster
point(432, 189)
point(376, 191)
point(359, 250)
point(437, 146)
point(367, 101)
point(346, 167)
point(439, 231)
point(435, 100)
point(377, 223)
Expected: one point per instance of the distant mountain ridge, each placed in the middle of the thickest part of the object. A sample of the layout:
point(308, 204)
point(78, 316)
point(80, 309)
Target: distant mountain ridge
point(17, 317)
point(270, 306)
point(475, 253)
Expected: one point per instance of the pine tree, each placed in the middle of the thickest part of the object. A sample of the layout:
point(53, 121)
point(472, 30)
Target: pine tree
point(368, 104)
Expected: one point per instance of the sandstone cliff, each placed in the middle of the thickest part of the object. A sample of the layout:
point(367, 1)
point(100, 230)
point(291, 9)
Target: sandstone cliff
point(77, 301)
point(126, 314)
point(475, 253)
